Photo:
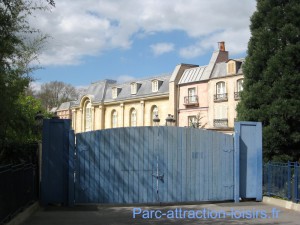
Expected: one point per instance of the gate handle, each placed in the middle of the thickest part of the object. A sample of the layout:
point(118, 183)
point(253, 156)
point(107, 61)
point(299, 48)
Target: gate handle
point(160, 177)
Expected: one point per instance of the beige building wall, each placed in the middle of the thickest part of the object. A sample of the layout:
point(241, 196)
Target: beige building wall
point(173, 88)
point(229, 105)
point(102, 114)
point(78, 116)
point(163, 109)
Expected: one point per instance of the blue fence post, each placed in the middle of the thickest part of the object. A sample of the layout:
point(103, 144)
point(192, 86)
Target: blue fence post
point(71, 184)
point(296, 182)
point(269, 178)
point(236, 164)
point(289, 180)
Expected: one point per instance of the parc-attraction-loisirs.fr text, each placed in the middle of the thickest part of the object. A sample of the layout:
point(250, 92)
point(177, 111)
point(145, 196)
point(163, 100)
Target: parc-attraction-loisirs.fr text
point(179, 213)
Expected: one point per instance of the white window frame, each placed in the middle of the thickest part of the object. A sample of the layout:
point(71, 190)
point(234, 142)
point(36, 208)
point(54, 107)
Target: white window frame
point(114, 92)
point(220, 88)
point(133, 118)
point(88, 116)
point(155, 86)
point(192, 95)
point(239, 85)
point(154, 112)
point(114, 119)
point(133, 87)
point(192, 120)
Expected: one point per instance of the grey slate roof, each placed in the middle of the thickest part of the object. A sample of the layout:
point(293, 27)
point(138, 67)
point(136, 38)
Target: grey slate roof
point(220, 69)
point(96, 91)
point(65, 105)
point(200, 73)
point(101, 91)
point(53, 110)
point(145, 89)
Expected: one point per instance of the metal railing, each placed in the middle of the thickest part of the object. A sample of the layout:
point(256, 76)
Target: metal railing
point(237, 95)
point(282, 180)
point(220, 97)
point(18, 188)
point(220, 122)
point(191, 100)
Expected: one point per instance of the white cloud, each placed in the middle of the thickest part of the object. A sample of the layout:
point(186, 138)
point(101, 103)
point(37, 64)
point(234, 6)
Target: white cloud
point(89, 28)
point(162, 48)
point(235, 41)
point(35, 85)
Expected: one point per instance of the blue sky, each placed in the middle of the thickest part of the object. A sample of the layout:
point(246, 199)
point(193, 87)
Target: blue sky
point(130, 39)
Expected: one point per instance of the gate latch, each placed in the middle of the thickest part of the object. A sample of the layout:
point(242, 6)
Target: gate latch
point(159, 176)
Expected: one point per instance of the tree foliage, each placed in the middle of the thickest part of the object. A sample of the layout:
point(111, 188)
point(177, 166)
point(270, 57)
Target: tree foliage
point(272, 77)
point(54, 93)
point(19, 46)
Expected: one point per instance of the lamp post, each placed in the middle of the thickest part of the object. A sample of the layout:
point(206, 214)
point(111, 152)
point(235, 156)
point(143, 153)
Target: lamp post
point(156, 120)
point(39, 121)
point(170, 121)
point(39, 117)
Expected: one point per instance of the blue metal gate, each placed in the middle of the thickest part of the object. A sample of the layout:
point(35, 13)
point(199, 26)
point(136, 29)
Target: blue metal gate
point(153, 164)
point(150, 164)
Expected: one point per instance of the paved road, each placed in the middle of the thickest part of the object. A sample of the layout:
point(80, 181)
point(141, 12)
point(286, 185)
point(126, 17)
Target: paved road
point(219, 214)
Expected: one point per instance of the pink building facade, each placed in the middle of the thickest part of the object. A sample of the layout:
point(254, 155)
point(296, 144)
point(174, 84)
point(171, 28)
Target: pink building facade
point(193, 99)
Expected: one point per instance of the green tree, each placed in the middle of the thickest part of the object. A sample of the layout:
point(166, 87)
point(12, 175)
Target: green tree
point(54, 93)
point(272, 77)
point(19, 46)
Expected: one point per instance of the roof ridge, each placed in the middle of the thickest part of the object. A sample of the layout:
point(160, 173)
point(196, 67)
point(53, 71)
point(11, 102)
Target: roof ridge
point(139, 80)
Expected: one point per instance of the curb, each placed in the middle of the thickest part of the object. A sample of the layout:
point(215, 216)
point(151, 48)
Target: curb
point(24, 215)
point(282, 203)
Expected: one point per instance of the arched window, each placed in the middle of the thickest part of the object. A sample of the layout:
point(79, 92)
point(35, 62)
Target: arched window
point(88, 116)
point(239, 85)
point(133, 118)
point(221, 94)
point(114, 119)
point(154, 112)
point(220, 88)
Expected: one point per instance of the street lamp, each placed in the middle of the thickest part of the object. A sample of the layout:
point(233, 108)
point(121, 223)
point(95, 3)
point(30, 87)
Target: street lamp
point(170, 121)
point(39, 120)
point(156, 120)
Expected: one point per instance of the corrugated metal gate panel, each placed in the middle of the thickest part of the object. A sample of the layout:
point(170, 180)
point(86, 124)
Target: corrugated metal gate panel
point(54, 182)
point(120, 165)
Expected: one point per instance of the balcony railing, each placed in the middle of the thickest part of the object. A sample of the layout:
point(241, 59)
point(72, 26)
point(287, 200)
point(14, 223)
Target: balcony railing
point(220, 122)
point(191, 100)
point(237, 95)
point(220, 97)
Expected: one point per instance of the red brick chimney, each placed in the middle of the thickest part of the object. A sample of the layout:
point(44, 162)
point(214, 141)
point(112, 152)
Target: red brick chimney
point(221, 46)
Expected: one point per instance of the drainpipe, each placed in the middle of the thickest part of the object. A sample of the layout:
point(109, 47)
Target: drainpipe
point(177, 104)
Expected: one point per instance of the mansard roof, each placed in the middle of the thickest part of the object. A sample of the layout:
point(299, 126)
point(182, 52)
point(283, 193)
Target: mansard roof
point(220, 69)
point(194, 74)
point(95, 92)
point(65, 105)
point(101, 91)
point(145, 89)
point(200, 73)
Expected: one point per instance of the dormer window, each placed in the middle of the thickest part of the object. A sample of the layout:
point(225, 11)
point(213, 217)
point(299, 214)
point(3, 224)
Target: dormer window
point(115, 92)
point(156, 85)
point(135, 87)
point(231, 67)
